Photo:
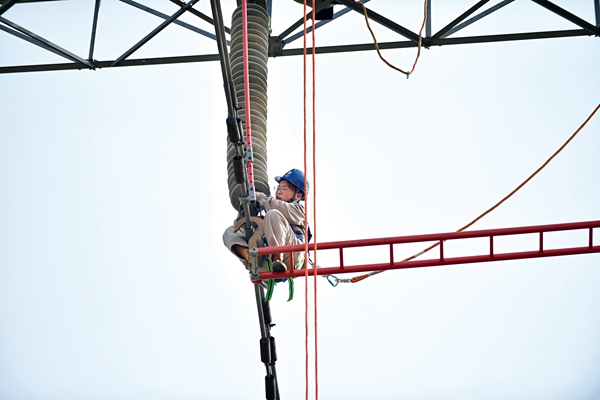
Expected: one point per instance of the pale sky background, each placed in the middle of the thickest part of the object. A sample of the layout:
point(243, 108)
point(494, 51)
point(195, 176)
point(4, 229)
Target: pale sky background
point(114, 282)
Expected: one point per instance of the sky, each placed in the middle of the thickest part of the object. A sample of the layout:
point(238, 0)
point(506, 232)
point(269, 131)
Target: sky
point(114, 282)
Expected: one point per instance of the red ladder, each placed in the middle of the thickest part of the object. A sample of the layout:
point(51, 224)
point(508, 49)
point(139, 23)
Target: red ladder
point(540, 251)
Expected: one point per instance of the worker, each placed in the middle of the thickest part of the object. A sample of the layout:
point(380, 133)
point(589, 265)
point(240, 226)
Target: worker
point(283, 222)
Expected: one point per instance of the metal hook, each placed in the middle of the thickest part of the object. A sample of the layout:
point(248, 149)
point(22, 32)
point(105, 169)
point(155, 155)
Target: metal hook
point(333, 281)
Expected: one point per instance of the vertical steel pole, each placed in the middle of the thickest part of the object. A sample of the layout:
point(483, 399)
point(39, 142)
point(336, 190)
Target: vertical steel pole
point(428, 22)
point(229, 90)
point(270, 8)
point(223, 54)
point(265, 332)
point(267, 341)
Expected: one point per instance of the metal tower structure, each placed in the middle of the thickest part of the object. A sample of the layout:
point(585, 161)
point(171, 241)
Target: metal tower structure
point(261, 44)
point(281, 44)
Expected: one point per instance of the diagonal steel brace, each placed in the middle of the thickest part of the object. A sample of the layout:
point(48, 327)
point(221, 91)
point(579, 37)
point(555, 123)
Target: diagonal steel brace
point(155, 32)
point(46, 43)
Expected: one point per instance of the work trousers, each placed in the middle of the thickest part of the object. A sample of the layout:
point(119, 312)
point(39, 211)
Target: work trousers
point(278, 232)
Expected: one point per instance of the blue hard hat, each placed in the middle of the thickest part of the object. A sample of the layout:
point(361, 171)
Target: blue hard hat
point(296, 178)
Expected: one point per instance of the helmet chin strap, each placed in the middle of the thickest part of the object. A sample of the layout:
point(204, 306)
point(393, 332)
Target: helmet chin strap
point(293, 199)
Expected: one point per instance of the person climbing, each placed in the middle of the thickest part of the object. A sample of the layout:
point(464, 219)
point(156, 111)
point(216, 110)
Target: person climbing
point(283, 222)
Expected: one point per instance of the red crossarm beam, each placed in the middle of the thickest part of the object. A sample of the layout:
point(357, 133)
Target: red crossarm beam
point(442, 260)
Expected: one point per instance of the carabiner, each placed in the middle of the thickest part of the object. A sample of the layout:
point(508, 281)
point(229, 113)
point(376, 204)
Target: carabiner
point(333, 281)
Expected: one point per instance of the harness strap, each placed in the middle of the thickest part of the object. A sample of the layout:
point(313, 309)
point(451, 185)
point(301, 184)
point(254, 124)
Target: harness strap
point(300, 236)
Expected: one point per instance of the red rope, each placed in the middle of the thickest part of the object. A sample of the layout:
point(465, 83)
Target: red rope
point(314, 129)
point(314, 132)
point(305, 218)
point(247, 88)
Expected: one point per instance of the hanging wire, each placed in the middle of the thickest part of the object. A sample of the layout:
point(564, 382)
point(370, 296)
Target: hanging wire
point(334, 281)
point(407, 73)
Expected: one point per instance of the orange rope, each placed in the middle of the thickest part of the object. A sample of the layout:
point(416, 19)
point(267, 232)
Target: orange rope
point(314, 127)
point(361, 277)
point(314, 111)
point(377, 46)
point(305, 220)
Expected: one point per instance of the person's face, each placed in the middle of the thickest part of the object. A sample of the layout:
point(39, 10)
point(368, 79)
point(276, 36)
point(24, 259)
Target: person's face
point(284, 192)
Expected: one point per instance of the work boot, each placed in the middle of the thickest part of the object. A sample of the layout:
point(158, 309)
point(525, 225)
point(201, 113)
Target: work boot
point(278, 266)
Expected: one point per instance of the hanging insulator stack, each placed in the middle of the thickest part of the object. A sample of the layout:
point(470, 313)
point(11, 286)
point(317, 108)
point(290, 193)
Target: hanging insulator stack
point(258, 39)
